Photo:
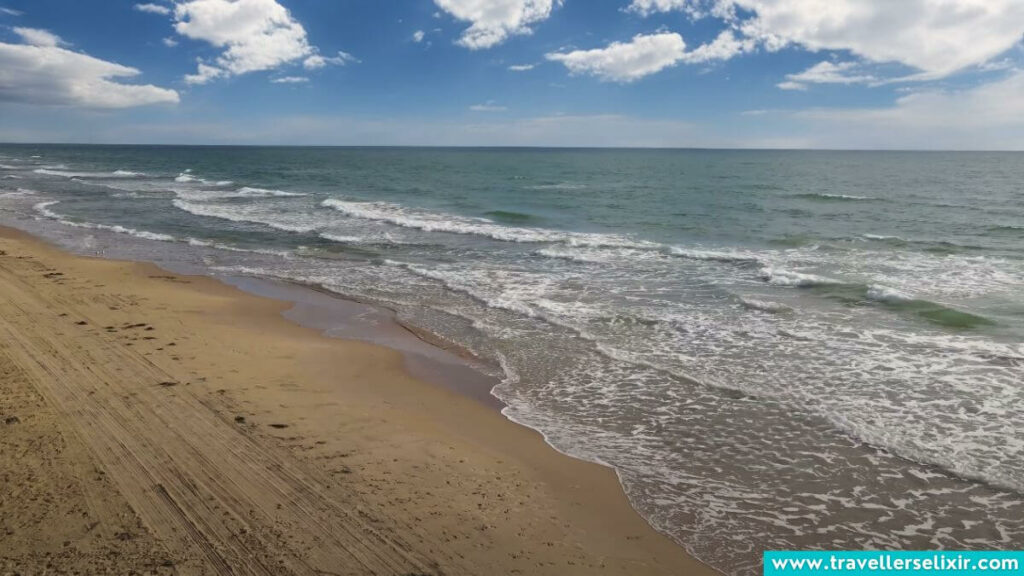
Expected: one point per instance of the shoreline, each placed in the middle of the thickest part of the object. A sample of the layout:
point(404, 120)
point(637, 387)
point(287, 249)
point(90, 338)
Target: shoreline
point(443, 482)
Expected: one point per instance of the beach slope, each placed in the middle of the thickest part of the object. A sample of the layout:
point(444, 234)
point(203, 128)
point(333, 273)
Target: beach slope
point(157, 423)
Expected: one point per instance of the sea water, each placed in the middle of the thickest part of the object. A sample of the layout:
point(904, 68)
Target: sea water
point(773, 349)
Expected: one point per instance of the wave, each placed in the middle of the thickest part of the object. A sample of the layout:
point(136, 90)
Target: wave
point(18, 192)
point(881, 293)
point(244, 192)
point(43, 208)
point(187, 177)
point(823, 197)
point(510, 216)
point(883, 238)
point(933, 312)
point(236, 214)
point(70, 174)
point(559, 186)
point(783, 277)
point(792, 241)
point(1006, 229)
point(402, 216)
point(12, 177)
point(764, 305)
point(595, 255)
point(251, 191)
point(343, 239)
point(219, 246)
point(736, 257)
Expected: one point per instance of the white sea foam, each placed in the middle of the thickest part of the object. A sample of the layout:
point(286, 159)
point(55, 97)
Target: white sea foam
point(43, 208)
point(450, 223)
point(764, 305)
point(187, 177)
point(559, 186)
point(827, 196)
point(227, 247)
point(244, 192)
point(880, 293)
point(783, 277)
point(342, 239)
point(70, 174)
point(17, 193)
point(280, 220)
point(734, 256)
point(259, 192)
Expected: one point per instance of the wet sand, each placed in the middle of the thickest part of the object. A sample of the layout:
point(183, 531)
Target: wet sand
point(158, 423)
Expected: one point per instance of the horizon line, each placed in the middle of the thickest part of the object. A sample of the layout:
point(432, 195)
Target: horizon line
point(519, 147)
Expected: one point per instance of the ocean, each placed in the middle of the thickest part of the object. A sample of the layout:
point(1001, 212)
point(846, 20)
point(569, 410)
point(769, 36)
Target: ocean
point(773, 349)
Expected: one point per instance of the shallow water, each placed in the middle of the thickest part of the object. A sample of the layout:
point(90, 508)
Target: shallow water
point(774, 349)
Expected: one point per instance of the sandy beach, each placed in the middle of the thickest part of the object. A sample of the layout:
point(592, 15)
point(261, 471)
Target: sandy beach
point(155, 423)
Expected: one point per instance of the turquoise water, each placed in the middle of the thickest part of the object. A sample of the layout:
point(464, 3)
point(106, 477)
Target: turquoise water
point(773, 349)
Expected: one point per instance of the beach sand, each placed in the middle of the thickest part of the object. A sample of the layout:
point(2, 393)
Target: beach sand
point(155, 423)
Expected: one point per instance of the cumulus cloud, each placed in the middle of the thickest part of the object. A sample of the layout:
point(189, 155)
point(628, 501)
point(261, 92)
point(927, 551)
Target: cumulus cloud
point(521, 67)
point(153, 8)
point(937, 37)
point(723, 47)
point(37, 37)
point(170, 42)
point(827, 73)
point(647, 54)
point(290, 80)
point(253, 35)
point(41, 71)
point(494, 21)
point(418, 36)
point(204, 74)
point(626, 61)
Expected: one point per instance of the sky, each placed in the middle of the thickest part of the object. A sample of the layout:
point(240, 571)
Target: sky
point(861, 74)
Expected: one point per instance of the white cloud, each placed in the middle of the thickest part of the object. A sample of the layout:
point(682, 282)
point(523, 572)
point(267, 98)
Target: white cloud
point(204, 74)
point(290, 80)
point(626, 61)
point(418, 36)
point(317, 61)
point(827, 73)
point(937, 37)
point(494, 21)
point(490, 106)
point(521, 67)
point(153, 8)
point(10, 12)
point(42, 72)
point(723, 47)
point(647, 7)
point(989, 116)
point(255, 35)
point(37, 37)
point(170, 42)
point(648, 54)
point(787, 85)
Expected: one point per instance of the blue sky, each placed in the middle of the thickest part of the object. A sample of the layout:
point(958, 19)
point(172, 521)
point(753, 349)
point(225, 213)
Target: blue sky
point(706, 73)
